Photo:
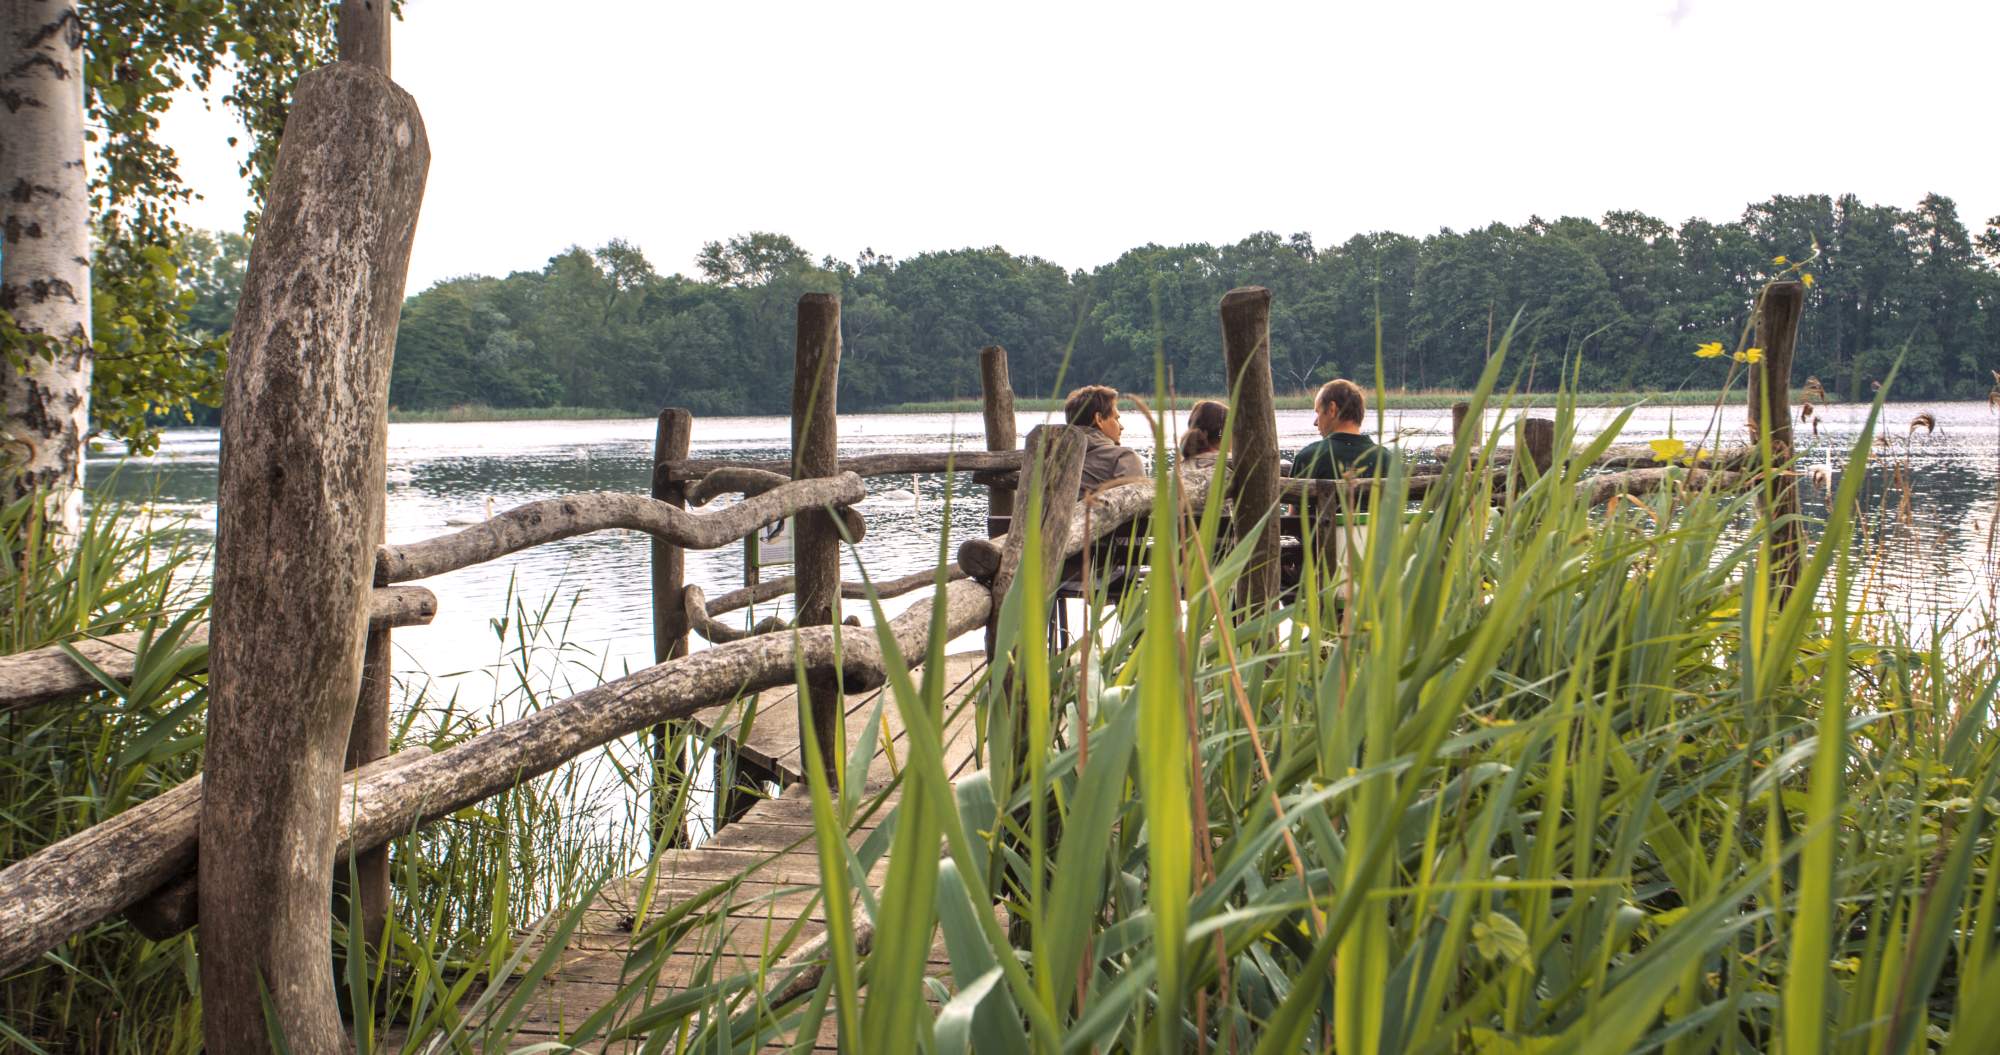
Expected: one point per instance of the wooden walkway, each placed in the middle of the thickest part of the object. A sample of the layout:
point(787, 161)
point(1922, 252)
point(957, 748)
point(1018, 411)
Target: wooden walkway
point(770, 848)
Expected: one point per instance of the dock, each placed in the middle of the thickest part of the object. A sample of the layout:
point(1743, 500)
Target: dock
point(768, 853)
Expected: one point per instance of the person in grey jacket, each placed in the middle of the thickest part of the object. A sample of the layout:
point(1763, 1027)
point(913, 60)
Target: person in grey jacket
point(1095, 407)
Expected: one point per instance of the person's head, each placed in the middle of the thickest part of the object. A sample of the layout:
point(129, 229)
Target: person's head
point(1096, 407)
point(1204, 432)
point(1339, 407)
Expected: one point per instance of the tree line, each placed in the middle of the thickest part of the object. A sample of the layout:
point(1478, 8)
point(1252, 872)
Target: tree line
point(1624, 301)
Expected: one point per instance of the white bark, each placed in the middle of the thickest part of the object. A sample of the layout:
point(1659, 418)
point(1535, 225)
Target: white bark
point(44, 253)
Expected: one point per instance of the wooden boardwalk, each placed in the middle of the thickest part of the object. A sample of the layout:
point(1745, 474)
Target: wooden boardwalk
point(770, 854)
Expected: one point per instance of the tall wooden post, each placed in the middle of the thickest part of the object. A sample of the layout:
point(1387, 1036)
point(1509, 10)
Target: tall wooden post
point(997, 404)
point(299, 509)
point(671, 440)
point(816, 549)
point(363, 33)
point(1054, 468)
point(1534, 444)
point(1538, 437)
point(1459, 412)
point(1770, 395)
point(367, 741)
point(1052, 471)
point(1253, 435)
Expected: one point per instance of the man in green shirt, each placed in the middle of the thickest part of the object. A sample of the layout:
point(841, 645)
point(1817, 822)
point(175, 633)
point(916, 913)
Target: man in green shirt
point(1343, 448)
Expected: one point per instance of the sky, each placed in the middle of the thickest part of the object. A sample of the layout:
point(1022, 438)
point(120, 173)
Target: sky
point(1076, 130)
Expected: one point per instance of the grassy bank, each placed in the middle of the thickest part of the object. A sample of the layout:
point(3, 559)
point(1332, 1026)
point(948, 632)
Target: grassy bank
point(482, 412)
point(1430, 400)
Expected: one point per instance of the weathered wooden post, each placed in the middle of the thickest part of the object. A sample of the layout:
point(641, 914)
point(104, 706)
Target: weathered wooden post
point(299, 509)
point(1054, 469)
point(997, 404)
point(1538, 438)
point(1052, 473)
point(367, 741)
point(671, 441)
point(1459, 412)
point(816, 549)
point(1534, 444)
point(1770, 397)
point(1253, 436)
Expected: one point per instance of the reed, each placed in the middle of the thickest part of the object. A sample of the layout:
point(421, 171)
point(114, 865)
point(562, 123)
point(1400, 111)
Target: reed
point(1526, 778)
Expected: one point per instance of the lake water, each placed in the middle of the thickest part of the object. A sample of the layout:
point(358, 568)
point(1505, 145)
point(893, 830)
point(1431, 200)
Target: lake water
point(1942, 560)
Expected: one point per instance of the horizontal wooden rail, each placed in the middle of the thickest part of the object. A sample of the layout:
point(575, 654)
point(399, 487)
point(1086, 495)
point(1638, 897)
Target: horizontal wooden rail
point(735, 480)
point(893, 464)
point(1601, 489)
point(695, 603)
point(1643, 456)
point(561, 518)
point(1106, 512)
point(176, 906)
point(775, 588)
point(110, 867)
point(44, 674)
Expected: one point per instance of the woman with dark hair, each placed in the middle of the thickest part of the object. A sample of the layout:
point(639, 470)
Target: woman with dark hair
point(1203, 438)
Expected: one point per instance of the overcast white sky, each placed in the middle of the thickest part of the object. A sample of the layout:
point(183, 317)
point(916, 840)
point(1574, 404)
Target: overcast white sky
point(1076, 130)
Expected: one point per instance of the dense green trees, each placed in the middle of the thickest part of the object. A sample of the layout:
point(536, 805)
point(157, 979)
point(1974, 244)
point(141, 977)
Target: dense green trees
point(1631, 295)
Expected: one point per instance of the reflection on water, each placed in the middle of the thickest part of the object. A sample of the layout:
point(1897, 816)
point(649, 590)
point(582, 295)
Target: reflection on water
point(1937, 560)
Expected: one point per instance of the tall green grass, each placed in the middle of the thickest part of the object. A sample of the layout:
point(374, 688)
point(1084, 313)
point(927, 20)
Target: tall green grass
point(1541, 778)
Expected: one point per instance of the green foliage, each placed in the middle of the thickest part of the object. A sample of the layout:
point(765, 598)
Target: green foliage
point(1625, 298)
point(1521, 776)
point(159, 342)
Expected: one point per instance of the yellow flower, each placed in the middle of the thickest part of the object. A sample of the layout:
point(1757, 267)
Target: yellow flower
point(1807, 279)
point(1780, 260)
point(1753, 355)
point(1668, 449)
point(1709, 350)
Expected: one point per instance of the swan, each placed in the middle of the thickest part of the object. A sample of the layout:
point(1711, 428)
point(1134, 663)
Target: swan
point(400, 475)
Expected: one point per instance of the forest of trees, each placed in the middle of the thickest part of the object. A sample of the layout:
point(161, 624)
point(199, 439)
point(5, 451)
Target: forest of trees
point(1631, 294)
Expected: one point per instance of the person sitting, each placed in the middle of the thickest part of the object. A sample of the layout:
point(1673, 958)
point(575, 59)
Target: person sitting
point(1343, 448)
point(1203, 439)
point(1095, 408)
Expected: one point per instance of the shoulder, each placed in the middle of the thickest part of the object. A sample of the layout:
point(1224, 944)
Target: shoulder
point(1313, 460)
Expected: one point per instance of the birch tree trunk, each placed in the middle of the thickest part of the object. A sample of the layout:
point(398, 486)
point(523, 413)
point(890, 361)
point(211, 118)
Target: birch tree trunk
point(44, 255)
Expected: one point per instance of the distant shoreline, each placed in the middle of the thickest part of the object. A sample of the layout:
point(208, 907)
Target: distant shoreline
point(1041, 404)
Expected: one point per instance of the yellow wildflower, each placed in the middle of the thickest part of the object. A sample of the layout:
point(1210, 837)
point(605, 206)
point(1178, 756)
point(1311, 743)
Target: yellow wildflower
point(1807, 279)
point(1668, 449)
point(1753, 355)
point(1709, 350)
point(1780, 260)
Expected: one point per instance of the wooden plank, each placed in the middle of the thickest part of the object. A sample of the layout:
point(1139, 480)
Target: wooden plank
point(773, 739)
point(767, 859)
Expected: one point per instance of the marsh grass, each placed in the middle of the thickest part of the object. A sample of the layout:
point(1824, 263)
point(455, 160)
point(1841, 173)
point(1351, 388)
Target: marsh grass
point(1544, 779)
point(1429, 399)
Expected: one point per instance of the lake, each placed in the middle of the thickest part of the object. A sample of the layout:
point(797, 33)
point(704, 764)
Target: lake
point(1937, 564)
point(442, 473)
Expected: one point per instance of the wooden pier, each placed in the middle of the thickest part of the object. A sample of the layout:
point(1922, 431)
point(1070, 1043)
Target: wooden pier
point(767, 857)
